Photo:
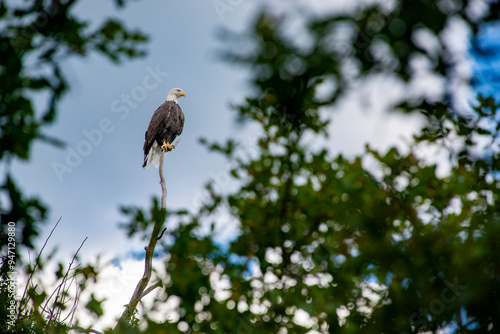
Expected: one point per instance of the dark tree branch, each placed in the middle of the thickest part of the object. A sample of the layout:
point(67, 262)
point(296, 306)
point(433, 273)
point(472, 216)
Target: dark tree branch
point(161, 234)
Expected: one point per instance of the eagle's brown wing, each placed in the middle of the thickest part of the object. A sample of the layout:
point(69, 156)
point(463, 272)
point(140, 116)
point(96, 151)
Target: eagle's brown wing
point(155, 126)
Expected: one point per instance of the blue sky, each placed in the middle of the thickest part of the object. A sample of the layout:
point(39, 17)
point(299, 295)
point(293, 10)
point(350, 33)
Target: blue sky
point(104, 116)
point(487, 67)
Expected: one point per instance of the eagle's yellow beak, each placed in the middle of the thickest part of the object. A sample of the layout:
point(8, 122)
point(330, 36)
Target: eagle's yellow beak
point(183, 94)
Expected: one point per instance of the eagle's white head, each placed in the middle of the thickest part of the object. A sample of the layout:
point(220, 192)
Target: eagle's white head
point(174, 94)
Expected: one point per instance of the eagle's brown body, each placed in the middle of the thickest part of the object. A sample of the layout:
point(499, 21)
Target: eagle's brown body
point(166, 124)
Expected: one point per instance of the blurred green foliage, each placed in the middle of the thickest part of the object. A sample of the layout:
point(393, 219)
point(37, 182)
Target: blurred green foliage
point(327, 243)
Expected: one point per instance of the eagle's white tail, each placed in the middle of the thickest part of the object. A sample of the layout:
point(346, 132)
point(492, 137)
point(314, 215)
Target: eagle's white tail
point(154, 156)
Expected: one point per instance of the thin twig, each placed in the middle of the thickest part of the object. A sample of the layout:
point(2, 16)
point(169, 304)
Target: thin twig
point(63, 285)
point(158, 284)
point(35, 266)
point(75, 303)
point(161, 234)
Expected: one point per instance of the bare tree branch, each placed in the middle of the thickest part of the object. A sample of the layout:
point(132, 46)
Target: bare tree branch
point(163, 186)
point(140, 290)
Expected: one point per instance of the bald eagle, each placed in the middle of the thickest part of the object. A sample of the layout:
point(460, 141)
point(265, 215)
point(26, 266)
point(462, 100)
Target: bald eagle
point(166, 123)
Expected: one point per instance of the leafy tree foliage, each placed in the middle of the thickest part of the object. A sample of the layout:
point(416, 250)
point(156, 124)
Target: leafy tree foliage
point(326, 243)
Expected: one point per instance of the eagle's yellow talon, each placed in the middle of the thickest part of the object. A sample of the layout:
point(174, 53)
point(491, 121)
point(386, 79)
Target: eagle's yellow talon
point(166, 147)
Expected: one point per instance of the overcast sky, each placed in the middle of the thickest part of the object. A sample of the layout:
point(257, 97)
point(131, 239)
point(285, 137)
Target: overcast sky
point(104, 116)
